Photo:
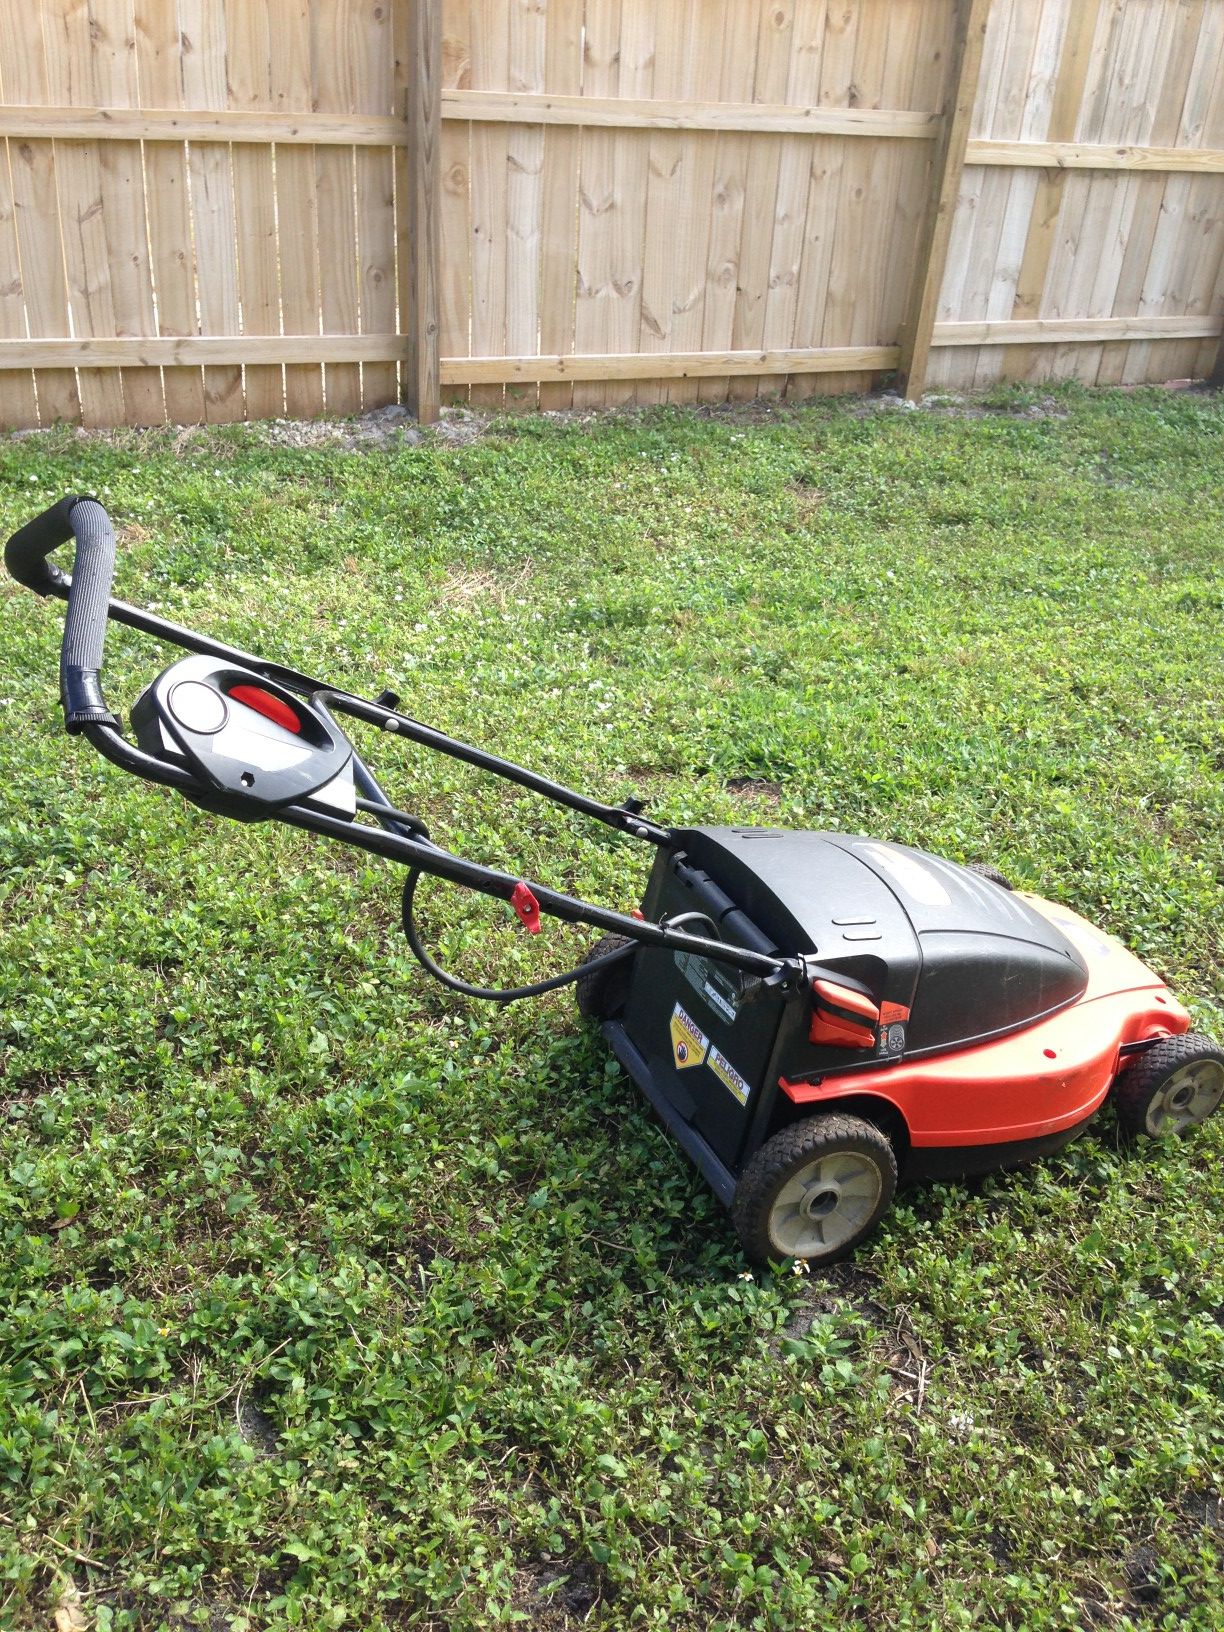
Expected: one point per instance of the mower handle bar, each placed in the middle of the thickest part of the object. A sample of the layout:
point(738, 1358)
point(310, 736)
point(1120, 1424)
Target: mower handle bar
point(26, 555)
point(87, 591)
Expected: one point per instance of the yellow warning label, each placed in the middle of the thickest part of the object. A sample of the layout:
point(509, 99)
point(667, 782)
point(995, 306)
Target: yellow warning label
point(689, 1042)
point(728, 1075)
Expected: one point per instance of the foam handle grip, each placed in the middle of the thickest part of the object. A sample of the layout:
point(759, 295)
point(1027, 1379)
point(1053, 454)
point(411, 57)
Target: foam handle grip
point(88, 593)
point(85, 623)
point(25, 554)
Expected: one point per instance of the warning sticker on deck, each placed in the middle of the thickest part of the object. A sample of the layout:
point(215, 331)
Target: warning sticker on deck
point(689, 1043)
point(728, 1075)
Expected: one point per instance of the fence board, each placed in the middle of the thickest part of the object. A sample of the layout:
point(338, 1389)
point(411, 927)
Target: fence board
point(732, 156)
point(297, 221)
point(600, 204)
point(335, 70)
point(775, 29)
point(707, 199)
point(454, 202)
point(78, 176)
point(490, 47)
point(159, 74)
point(18, 402)
point(213, 224)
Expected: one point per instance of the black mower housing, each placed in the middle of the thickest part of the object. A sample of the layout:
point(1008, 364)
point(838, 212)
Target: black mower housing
point(963, 960)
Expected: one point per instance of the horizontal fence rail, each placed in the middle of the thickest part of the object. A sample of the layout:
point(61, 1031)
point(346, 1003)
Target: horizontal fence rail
point(213, 211)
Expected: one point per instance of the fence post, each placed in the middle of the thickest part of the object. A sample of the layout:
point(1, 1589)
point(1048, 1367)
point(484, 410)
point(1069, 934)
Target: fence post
point(972, 17)
point(420, 386)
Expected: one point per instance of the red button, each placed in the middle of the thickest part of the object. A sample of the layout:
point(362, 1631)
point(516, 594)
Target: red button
point(271, 707)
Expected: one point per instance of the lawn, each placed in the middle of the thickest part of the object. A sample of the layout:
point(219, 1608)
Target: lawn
point(329, 1299)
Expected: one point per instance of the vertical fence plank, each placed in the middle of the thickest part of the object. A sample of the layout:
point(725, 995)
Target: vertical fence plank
point(855, 273)
point(455, 191)
point(78, 174)
point(333, 31)
point(249, 58)
point(816, 183)
point(1019, 110)
point(926, 90)
point(18, 402)
point(1180, 29)
point(699, 70)
point(111, 49)
point(1143, 360)
point(490, 45)
point(598, 200)
point(972, 17)
point(804, 176)
point(1075, 57)
point(775, 27)
point(625, 223)
point(1126, 102)
point(524, 197)
point(23, 78)
point(375, 179)
point(563, 76)
point(732, 150)
point(19, 406)
point(158, 67)
point(418, 194)
point(214, 229)
point(297, 222)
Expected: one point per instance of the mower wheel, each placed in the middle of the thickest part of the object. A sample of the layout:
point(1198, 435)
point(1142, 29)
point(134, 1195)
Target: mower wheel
point(815, 1190)
point(1172, 1087)
point(983, 869)
point(603, 994)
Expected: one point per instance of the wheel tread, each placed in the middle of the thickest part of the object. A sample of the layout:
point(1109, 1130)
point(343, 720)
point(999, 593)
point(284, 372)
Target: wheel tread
point(1141, 1078)
point(756, 1191)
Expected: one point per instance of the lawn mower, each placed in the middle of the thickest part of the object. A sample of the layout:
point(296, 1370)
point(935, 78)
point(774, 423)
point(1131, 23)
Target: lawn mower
point(813, 1016)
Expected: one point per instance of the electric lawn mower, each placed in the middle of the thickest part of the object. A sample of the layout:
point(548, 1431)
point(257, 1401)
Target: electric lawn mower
point(812, 1015)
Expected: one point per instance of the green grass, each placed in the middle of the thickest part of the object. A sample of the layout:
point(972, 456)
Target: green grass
point(328, 1299)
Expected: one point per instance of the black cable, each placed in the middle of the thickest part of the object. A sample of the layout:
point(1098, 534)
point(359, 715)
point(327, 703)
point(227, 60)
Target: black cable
point(689, 918)
point(493, 994)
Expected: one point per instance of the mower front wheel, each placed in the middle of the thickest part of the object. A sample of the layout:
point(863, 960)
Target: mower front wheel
point(1170, 1088)
point(603, 993)
point(815, 1190)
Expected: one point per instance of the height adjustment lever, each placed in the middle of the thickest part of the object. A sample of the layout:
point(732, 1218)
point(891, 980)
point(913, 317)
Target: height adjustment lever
point(527, 907)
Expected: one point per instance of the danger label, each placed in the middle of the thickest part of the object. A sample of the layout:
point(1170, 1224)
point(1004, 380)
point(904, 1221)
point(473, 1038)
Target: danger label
point(689, 1043)
point(728, 1075)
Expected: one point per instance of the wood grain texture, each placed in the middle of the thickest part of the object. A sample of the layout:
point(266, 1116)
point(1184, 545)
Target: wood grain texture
point(559, 224)
point(35, 223)
point(972, 18)
point(246, 207)
point(652, 366)
point(78, 181)
point(681, 113)
point(775, 32)
point(336, 63)
point(419, 58)
point(601, 204)
point(167, 191)
point(454, 193)
point(213, 221)
point(159, 123)
point(249, 76)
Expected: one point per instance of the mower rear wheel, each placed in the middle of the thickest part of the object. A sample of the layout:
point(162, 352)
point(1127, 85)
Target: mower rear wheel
point(1171, 1088)
point(815, 1190)
point(602, 994)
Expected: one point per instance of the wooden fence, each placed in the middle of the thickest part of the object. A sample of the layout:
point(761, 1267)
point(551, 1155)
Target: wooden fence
point(217, 209)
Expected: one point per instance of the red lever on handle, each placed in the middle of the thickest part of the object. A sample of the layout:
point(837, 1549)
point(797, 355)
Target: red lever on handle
point(527, 907)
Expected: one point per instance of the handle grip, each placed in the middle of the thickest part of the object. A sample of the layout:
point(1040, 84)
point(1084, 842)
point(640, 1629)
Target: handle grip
point(25, 554)
point(87, 592)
